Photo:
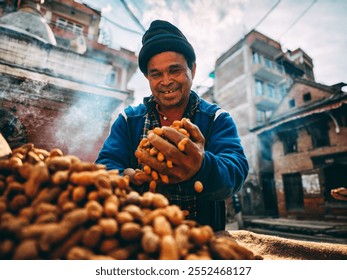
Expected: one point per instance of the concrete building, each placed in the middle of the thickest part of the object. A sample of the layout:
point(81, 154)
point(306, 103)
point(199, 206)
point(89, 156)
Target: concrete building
point(61, 87)
point(287, 125)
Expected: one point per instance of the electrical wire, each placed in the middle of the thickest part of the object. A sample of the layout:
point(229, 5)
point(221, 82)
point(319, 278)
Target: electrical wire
point(267, 14)
point(297, 19)
point(259, 22)
point(119, 25)
point(132, 15)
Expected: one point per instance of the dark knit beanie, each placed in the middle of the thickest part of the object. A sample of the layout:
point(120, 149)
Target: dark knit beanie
point(160, 37)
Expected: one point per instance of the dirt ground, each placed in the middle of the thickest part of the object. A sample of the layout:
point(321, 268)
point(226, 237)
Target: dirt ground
point(276, 248)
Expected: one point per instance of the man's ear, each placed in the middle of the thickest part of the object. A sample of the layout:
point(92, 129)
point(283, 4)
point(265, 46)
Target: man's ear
point(193, 70)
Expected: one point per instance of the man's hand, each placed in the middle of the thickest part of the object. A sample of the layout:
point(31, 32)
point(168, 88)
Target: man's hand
point(185, 163)
point(137, 177)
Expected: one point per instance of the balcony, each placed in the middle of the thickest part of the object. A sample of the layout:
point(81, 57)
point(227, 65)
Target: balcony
point(269, 71)
point(265, 103)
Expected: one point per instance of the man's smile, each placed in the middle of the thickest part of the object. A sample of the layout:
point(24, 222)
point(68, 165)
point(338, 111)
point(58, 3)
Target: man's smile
point(168, 91)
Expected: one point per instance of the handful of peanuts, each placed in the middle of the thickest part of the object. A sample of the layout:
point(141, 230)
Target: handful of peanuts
point(55, 206)
point(157, 177)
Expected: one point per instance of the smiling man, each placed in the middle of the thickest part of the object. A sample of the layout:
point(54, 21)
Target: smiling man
point(213, 155)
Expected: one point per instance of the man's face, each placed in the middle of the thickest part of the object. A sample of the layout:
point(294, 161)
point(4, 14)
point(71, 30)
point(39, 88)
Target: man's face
point(170, 79)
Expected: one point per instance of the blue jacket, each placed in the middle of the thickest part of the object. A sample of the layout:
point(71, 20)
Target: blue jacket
point(224, 167)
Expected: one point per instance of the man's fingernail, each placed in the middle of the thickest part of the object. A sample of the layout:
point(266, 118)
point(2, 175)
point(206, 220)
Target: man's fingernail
point(150, 136)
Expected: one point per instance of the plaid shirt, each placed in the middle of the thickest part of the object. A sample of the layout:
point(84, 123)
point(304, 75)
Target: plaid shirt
point(175, 193)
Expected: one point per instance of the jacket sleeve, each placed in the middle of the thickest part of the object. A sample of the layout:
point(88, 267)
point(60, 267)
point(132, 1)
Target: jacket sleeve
point(116, 148)
point(225, 166)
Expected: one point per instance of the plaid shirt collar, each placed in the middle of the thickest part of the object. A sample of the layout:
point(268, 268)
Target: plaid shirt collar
point(152, 117)
point(175, 193)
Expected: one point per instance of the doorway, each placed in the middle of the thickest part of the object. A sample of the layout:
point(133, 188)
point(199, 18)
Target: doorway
point(294, 194)
point(269, 194)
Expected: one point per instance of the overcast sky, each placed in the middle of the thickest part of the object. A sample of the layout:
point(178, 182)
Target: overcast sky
point(318, 27)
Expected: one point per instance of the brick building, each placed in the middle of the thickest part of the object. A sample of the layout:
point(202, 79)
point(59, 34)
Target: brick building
point(306, 140)
point(59, 87)
point(293, 129)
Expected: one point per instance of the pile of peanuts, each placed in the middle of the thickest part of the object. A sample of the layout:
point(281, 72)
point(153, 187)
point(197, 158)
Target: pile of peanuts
point(146, 145)
point(55, 206)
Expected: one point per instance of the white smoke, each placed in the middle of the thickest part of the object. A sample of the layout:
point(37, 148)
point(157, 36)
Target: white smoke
point(80, 127)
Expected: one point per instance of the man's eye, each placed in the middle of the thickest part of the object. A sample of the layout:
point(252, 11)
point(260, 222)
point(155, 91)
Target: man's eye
point(175, 71)
point(154, 75)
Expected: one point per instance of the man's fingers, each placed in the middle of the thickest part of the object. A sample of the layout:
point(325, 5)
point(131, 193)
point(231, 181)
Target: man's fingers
point(168, 147)
point(141, 177)
point(137, 177)
point(153, 162)
point(194, 131)
point(159, 142)
point(177, 143)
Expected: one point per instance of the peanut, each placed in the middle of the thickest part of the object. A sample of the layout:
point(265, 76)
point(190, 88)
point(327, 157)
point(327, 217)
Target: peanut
point(109, 226)
point(56, 206)
point(182, 144)
point(39, 175)
point(198, 186)
point(150, 242)
point(168, 248)
point(26, 250)
point(161, 226)
point(130, 231)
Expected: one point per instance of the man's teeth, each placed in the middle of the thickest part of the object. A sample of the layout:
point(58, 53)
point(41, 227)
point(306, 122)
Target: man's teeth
point(169, 91)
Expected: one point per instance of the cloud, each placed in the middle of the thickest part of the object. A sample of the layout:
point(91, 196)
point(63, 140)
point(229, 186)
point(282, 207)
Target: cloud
point(213, 28)
point(106, 9)
point(206, 25)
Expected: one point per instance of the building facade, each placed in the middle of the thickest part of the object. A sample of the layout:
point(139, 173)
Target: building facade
point(262, 86)
point(308, 137)
point(59, 86)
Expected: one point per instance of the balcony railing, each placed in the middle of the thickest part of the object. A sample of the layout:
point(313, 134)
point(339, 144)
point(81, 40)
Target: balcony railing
point(267, 69)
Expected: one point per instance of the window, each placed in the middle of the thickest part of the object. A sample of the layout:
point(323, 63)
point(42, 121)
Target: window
point(111, 78)
point(78, 29)
point(310, 184)
point(319, 135)
point(342, 120)
point(307, 97)
point(280, 68)
point(265, 148)
point(69, 26)
point(271, 91)
point(61, 23)
point(283, 91)
point(291, 103)
point(289, 140)
point(268, 63)
point(259, 88)
point(256, 58)
point(262, 115)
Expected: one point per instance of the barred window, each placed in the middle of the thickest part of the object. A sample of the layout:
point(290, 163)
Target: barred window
point(69, 26)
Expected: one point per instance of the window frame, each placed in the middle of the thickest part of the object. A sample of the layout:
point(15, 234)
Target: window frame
point(258, 88)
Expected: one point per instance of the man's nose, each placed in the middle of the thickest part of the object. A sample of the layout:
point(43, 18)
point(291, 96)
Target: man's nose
point(166, 80)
